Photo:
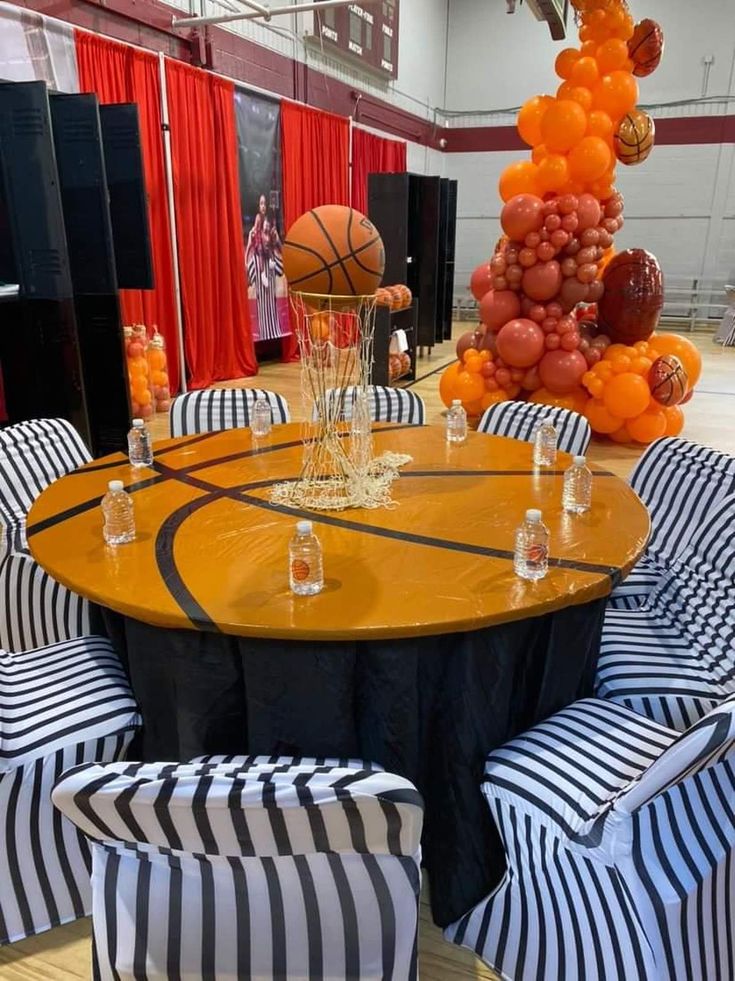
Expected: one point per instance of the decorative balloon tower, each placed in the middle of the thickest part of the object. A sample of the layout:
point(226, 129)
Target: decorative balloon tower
point(565, 319)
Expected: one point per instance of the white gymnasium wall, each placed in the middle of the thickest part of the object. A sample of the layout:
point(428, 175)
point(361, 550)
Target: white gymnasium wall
point(680, 204)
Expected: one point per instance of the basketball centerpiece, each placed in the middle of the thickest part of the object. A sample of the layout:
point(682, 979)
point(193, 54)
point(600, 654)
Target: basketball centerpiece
point(334, 261)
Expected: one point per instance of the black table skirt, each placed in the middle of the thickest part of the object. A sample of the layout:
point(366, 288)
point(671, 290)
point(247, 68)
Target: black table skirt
point(429, 709)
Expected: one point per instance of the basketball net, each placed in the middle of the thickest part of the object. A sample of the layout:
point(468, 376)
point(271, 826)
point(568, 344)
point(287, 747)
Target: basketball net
point(339, 470)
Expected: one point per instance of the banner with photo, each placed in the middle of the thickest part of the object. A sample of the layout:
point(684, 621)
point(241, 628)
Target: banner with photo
point(259, 152)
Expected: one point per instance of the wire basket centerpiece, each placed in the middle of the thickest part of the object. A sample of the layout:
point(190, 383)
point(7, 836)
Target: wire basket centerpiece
point(335, 335)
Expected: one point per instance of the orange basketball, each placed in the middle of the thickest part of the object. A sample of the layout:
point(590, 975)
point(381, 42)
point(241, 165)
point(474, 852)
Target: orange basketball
point(646, 47)
point(334, 250)
point(634, 137)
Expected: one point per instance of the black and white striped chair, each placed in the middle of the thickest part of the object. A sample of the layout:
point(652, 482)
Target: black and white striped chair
point(674, 658)
point(34, 608)
point(679, 482)
point(519, 420)
point(214, 409)
point(386, 404)
point(59, 706)
point(620, 844)
point(263, 869)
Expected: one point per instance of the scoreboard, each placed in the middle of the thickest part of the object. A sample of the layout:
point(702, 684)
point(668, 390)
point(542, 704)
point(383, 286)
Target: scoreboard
point(365, 32)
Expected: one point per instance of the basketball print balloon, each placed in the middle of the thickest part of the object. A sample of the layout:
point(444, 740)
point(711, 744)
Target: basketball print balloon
point(630, 307)
point(634, 137)
point(668, 380)
point(334, 250)
point(646, 47)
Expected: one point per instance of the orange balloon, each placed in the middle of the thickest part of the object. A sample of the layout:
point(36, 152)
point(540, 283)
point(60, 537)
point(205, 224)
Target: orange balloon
point(648, 426)
point(621, 435)
point(602, 189)
point(612, 55)
point(626, 395)
point(519, 178)
point(600, 124)
point(589, 48)
point(563, 125)
point(539, 153)
point(447, 382)
point(577, 93)
point(615, 94)
point(492, 398)
point(553, 172)
point(674, 420)
point(529, 118)
point(589, 159)
point(565, 61)
point(473, 363)
point(585, 72)
point(685, 351)
point(468, 387)
point(600, 418)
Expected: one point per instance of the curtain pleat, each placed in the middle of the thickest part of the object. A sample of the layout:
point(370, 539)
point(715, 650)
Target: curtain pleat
point(117, 72)
point(218, 340)
point(373, 155)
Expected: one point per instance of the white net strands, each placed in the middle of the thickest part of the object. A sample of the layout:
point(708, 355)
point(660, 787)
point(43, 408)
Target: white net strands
point(339, 470)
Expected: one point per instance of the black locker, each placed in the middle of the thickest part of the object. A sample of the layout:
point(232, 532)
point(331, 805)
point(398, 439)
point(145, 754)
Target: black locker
point(85, 200)
point(450, 251)
point(39, 344)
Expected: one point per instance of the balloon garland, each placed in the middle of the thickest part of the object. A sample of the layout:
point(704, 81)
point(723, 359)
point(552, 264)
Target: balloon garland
point(564, 319)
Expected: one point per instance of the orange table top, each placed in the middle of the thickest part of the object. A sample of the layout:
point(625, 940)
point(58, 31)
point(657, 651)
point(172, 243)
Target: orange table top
point(212, 551)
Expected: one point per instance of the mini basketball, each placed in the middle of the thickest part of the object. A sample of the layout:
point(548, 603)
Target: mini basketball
point(334, 250)
point(646, 47)
point(668, 380)
point(631, 305)
point(634, 137)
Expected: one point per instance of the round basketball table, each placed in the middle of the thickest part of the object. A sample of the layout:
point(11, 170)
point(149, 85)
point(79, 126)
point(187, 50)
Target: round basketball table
point(423, 652)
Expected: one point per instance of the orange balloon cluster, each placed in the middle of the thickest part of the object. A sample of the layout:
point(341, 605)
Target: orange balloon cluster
point(147, 372)
point(473, 380)
point(629, 398)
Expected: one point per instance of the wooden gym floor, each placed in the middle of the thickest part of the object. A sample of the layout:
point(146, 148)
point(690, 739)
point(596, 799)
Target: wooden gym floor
point(64, 954)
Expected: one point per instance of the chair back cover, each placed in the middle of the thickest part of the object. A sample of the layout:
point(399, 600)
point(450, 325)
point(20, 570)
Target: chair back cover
point(386, 404)
point(519, 420)
point(214, 409)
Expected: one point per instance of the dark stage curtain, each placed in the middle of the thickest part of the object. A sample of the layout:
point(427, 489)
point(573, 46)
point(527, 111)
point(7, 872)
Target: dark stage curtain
point(120, 73)
point(373, 155)
point(218, 340)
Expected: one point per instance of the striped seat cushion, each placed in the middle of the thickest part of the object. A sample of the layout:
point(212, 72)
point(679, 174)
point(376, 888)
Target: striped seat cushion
point(519, 420)
point(386, 404)
point(568, 771)
point(306, 762)
point(34, 608)
point(32, 456)
point(214, 409)
point(635, 591)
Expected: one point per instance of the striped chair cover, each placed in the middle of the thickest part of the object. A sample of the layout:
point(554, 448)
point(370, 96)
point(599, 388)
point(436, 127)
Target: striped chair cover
point(679, 482)
point(59, 706)
point(214, 409)
point(619, 837)
point(34, 608)
point(674, 658)
point(519, 420)
point(274, 869)
point(386, 404)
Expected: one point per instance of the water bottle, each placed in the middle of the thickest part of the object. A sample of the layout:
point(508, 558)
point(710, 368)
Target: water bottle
point(306, 573)
point(577, 494)
point(531, 559)
point(361, 429)
point(544, 445)
point(260, 423)
point(456, 423)
point(140, 445)
point(117, 508)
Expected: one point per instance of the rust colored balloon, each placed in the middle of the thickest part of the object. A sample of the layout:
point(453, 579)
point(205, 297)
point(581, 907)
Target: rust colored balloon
point(646, 47)
point(630, 307)
point(668, 380)
point(471, 338)
point(481, 281)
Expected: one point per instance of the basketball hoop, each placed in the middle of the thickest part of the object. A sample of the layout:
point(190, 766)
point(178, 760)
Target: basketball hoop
point(335, 335)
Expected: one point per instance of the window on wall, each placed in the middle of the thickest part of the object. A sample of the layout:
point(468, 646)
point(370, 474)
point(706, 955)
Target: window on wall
point(355, 28)
point(368, 37)
point(328, 16)
point(387, 47)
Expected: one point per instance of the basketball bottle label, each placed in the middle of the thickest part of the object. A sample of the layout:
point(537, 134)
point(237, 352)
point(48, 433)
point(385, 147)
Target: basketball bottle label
point(300, 570)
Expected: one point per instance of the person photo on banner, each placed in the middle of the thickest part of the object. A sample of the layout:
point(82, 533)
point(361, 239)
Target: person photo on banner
point(266, 284)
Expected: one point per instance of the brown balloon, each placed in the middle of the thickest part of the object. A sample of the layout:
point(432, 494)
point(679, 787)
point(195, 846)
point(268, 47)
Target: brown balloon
point(471, 338)
point(646, 47)
point(630, 307)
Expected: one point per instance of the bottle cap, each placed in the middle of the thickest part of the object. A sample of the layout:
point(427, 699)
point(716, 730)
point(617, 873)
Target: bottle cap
point(115, 485)
point(456, 401)
point(580, 460)
point(533, 514)
point(138, 424)
point(304, 527)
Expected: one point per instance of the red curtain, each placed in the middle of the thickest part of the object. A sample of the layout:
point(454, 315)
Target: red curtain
point(316, 159)
point(218, 341)
point(373, 155)
point(120, 73)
